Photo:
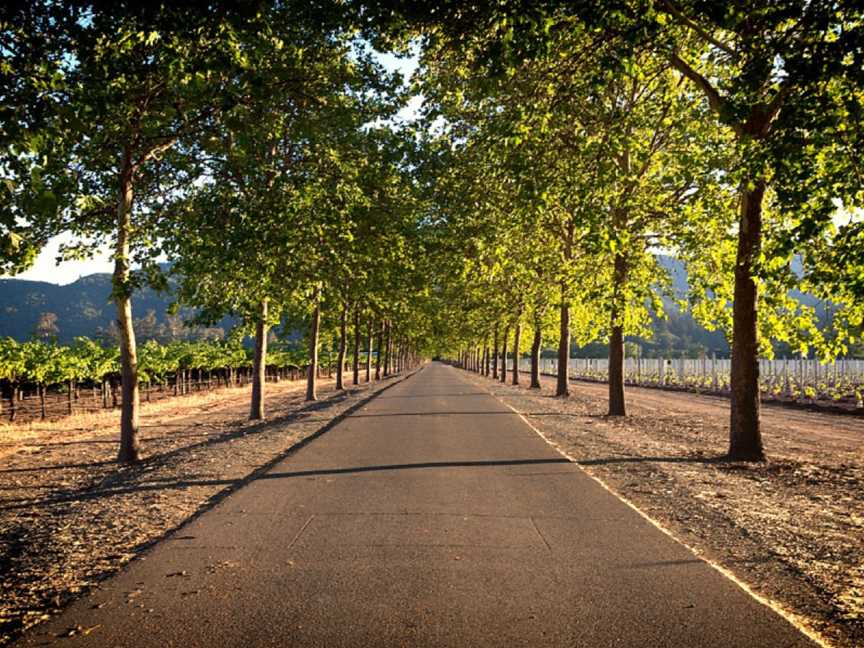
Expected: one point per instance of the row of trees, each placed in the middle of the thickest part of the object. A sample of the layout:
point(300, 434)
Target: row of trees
point(576, 141)
point(248, 145)
point(564, 145)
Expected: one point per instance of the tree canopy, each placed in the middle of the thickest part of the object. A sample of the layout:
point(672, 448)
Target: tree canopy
point(561, 147)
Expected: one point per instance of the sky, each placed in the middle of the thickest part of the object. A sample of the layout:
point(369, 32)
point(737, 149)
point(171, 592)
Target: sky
point(46, 268)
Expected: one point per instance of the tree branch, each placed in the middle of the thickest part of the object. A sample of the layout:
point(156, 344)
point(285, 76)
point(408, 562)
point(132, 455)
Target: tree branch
point(704, 35)
point(714, 99)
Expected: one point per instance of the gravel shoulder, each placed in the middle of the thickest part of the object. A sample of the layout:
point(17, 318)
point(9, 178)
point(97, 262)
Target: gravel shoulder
point(70, 516)
point(791, 528)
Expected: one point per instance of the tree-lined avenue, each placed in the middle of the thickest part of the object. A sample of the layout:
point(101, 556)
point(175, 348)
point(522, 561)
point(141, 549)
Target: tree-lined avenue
point(431, 516)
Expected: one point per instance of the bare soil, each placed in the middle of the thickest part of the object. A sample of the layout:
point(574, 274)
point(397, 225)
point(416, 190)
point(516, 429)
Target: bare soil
point(792, 528)
point(70, 516)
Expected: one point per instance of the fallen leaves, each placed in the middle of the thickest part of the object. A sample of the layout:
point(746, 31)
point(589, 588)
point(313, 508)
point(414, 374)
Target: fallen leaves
point(79, 631)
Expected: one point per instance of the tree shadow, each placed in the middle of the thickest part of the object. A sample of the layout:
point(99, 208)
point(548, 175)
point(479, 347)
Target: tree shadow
point(465, 413)
point(110, 484)
point(129, 480)
point(412, 466)
point(724, 460)
point(433, 395)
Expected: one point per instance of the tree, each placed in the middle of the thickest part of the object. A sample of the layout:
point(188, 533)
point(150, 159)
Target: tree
point(135, 88)
point(784, 78)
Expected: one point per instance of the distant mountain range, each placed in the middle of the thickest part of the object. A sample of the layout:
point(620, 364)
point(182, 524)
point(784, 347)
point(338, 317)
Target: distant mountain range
point(84, 308)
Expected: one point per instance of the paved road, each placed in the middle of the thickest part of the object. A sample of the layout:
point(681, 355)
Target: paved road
point(432, 517)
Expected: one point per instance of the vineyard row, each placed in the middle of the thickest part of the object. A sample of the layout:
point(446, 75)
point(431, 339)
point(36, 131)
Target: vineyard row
point(41, 380)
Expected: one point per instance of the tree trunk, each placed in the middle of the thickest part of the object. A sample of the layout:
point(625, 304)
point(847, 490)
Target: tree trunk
point(535, 356)
point(617, 405)
point(355, 360)
point(517, 334)
point(312, 378)
point(13, 391)
point(259, 367)
point(504, 354)
point(369, 350)
point(378, 342)
point(343, 342)
point(745, 438)
point(562, 387)
point(130, 442)
point(495, 355)
point(42, 402)
point(70, 400)
point(387, 348)
point(400, 355)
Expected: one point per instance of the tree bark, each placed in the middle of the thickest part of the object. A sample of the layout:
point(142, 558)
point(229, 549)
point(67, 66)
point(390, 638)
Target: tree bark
point(495, 355)
point(355, 366)
point(517, 334)
point(504, 354)
point(369, 350)
point(562, 387)
point(259, 364)
point(314, 328)
point(745, 437)
point(130, 442)
point(387, 348)
point(617, 404)
point(343, 343)
point(535, 356)
point(378, 342)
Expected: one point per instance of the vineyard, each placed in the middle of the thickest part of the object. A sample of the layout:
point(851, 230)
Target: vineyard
point(800, 381)
point(44, 380)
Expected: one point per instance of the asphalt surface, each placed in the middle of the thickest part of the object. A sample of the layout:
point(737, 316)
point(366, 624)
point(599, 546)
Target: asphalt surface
point(434, 516)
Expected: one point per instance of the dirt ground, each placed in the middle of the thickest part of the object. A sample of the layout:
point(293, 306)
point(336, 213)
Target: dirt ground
point(791, 528)
point(70, 516)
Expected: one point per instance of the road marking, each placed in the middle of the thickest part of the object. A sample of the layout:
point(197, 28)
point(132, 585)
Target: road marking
point(797, 621)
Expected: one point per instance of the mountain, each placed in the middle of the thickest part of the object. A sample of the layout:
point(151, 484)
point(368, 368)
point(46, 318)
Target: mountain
point(84, 307)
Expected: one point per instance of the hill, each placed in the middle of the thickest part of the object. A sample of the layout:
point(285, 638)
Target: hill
point(84, 307)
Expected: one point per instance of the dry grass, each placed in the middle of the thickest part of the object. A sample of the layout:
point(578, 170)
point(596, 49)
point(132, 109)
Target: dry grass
point(155, 414)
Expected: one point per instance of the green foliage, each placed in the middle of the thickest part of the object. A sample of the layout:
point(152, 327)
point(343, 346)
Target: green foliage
point(46, 363)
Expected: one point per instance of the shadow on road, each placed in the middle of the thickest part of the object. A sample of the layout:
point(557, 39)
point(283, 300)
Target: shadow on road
point(356, 416)
point(411, 466)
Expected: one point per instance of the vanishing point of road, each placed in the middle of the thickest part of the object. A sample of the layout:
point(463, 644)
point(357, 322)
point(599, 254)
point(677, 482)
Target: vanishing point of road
point(432, 516)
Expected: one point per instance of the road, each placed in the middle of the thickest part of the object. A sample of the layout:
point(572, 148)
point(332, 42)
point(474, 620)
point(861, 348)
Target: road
point(434, 516)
